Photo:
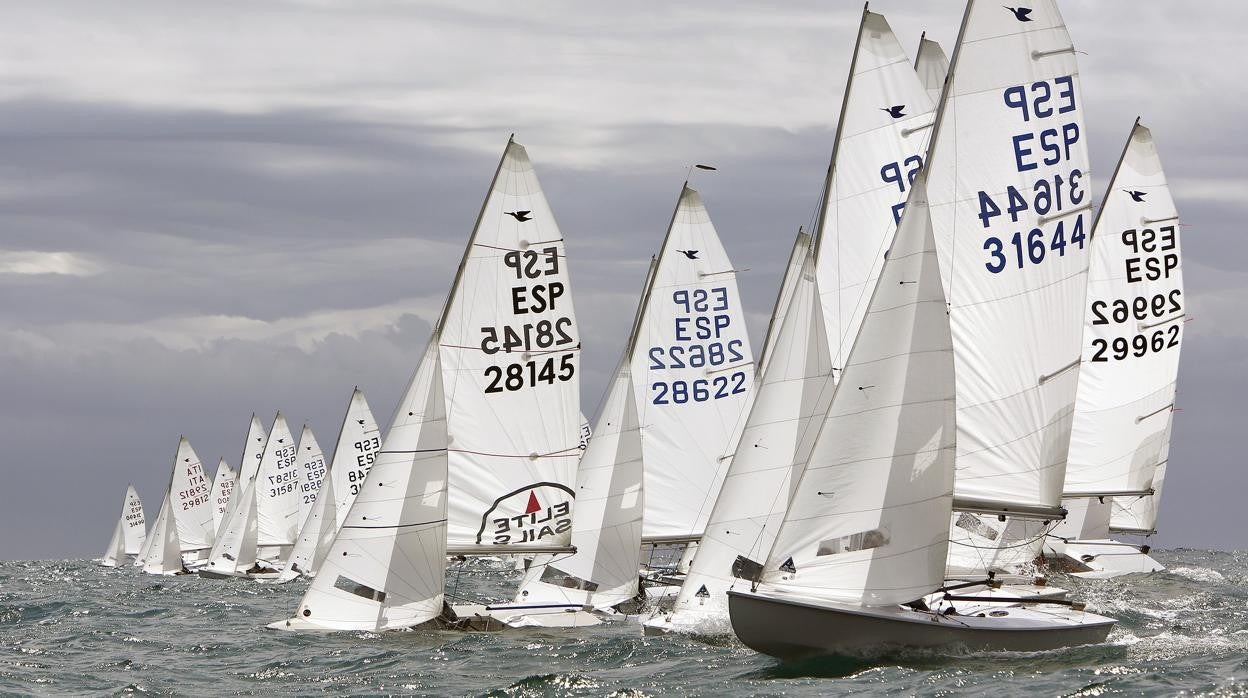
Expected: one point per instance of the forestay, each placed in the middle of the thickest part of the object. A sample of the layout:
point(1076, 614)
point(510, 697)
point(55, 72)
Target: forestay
point(189, 491)
point(386, 566)
point(867, 522)
point(1134, 317)
point(692, 373)
point(886, 119)
point(1008, 187)
point(311, 473)
point(222, 490)
point(510, 352)
point(276, 488)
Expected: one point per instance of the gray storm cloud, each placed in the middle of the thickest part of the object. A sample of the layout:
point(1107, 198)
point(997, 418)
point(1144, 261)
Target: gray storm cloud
point(209, 210)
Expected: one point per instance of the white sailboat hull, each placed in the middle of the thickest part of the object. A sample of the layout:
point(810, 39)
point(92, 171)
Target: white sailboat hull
point(793, 629)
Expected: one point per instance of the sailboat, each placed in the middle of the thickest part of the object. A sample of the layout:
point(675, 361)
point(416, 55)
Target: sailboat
point(359, 440)
point(190, 503)
point(876, 153)
point(222, 490)
point(1120, 440)
point(276, 491)
point(481, 454)
point(312, 471)
point(130, 532)
point(862, 541)
point(612, 495)
point(164, 550)
point(234, 551)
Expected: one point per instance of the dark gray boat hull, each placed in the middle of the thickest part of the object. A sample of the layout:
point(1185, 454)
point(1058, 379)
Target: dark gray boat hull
point(792, 630)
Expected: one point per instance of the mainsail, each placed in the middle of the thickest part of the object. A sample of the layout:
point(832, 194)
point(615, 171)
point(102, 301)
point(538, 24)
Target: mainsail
point(189, 498)
point(359, 440)
point(886, 119)
point(867, 522)
point(115, 553)
point(311, 473)
point(692, 373)
point(222, 490)
point(1134, 317)
point(276, 488)
point(932, 67)
point(1008, 189)
point(510, 356)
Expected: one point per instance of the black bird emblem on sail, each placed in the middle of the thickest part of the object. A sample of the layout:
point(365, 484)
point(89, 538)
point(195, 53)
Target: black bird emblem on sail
point(360, 421)
point(1136, 195)
point(521, 216)
point(896, 111)
point(691, 254)
point(1020, 13)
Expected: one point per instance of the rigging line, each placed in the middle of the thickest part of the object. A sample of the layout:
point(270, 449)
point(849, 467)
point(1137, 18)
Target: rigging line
point(565, 453)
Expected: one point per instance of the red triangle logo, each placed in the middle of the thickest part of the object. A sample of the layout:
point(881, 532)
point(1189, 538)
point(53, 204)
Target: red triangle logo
point(533, 505)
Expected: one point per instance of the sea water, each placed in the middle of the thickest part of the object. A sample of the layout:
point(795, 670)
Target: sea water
point(74, 627)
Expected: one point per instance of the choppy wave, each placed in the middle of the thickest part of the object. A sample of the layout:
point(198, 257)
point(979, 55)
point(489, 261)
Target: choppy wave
point(75, 627)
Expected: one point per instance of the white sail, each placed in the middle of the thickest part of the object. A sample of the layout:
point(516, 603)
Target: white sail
point(790, 403)
point(222, 490)
point(164, 555)
point(784, 299)
point(1138, 514)
point(692, 372)
point(189, 495)
point(1134, 317)
point(1009, 195)
point(276, 488)
point(311, 472)
point(235, 549)
point(135, 530)
point(359, 440)
point(932, 66)
point(115, 553)
point(511, 362)
point(867, 522)
point(249, 465)
point(885, 124)
point(606, 530)
point(315, 537)
point(386, 566)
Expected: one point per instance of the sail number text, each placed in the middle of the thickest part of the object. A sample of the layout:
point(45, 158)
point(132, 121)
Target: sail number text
point(701, 329)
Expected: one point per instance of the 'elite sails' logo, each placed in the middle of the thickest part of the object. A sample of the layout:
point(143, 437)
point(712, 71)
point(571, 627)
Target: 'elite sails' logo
point(538, 512)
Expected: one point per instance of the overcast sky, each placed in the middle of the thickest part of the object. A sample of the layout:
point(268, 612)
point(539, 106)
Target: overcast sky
point(210, 209)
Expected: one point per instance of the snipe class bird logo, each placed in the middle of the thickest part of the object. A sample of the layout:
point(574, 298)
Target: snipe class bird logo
point(1136, 196)
point(1020, 13)
point(360, 421)
point(896, 111)
point(691, 254)
point(521, 216)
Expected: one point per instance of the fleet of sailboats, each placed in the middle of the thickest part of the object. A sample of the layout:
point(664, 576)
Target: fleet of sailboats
point(967, 381)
